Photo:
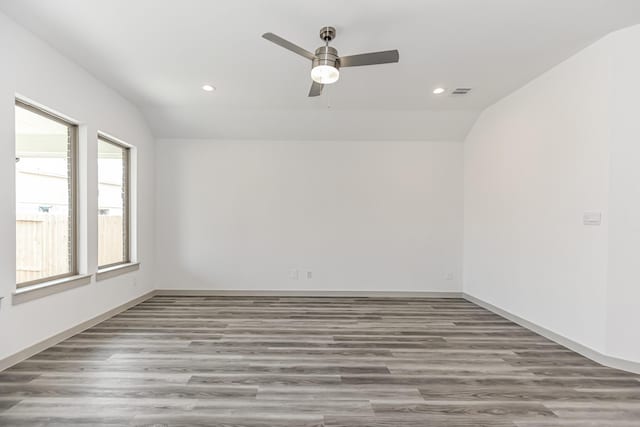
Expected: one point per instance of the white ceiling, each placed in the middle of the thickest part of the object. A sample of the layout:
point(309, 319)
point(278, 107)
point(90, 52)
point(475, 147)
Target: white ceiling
point(158, 53)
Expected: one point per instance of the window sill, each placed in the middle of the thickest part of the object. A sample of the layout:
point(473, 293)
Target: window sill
point(29, 293)
point(117, 270)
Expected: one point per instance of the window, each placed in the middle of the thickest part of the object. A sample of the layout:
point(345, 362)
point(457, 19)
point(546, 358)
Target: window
point(46, 148)
point(113, 203)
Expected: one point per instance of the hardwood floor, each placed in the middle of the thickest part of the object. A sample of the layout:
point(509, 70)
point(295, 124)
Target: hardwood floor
point(333, 362)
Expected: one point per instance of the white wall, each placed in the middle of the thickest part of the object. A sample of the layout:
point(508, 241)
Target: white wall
point(374, 216)
point(32, 69)
point(623, 291)
point(534, 163)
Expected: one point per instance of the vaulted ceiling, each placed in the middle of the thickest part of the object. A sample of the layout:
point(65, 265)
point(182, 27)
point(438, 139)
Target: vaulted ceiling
point(158, 54)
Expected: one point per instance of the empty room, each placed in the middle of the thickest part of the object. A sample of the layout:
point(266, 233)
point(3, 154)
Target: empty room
point(285, 213)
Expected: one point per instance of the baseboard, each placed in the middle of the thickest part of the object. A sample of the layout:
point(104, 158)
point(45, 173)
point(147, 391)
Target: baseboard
point(596, 356)
point(18, 357)
point(382, 294)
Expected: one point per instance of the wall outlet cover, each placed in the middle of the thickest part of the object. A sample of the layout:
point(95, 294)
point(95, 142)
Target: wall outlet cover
point(592, 218)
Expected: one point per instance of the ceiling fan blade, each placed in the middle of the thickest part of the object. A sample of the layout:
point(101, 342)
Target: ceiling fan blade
point(373, 58)
point(316, 89)
point(288, 45)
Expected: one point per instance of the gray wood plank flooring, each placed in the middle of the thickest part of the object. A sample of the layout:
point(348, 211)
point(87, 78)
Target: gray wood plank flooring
point(313, 362)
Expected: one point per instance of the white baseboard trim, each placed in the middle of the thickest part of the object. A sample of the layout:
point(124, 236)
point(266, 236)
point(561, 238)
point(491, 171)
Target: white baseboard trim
point(382, 294)
point(596, 356)
point(18, 357)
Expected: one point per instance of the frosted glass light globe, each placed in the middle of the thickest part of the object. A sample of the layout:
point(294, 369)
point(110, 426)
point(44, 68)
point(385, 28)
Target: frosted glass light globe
point(325, 74)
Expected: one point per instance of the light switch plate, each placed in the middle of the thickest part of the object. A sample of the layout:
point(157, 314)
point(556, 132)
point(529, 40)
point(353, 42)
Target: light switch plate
point(592, 218)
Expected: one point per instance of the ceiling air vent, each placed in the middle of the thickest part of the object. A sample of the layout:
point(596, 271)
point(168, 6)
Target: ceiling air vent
point(461, 91)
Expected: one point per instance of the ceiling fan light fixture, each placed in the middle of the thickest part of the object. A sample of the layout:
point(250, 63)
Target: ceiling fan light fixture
point(325, 74)
point(326, 63)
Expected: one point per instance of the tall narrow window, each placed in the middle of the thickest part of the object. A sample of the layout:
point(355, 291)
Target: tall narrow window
point(113, 203)
point(45, 196)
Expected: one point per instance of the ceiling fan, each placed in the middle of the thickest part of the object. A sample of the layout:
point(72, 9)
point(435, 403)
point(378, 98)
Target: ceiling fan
point(325, 63)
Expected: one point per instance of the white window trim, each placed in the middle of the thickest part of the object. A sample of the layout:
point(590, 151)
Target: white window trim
point(39, 290)
point(116, 270)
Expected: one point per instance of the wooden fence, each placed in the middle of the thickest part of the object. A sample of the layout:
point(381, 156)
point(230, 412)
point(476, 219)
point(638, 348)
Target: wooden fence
point(41, 244)
point(109, 239)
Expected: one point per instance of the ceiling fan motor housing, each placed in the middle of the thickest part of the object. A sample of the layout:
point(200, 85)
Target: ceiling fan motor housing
point(326, 55)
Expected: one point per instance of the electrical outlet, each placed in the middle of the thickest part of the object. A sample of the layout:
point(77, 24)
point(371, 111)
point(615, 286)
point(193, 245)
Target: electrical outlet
point(592, 218)
point(449, 276)
point(293, 274)
point(309, 275)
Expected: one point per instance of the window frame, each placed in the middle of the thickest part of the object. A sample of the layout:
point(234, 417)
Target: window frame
point(73, 197)
point(126, 205)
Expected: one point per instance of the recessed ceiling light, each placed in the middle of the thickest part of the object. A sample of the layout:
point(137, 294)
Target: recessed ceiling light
point(208, 88)
point(438, 90)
